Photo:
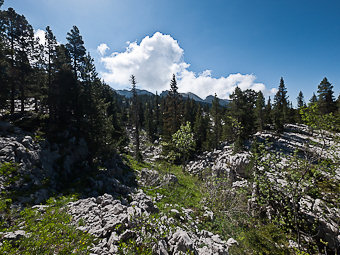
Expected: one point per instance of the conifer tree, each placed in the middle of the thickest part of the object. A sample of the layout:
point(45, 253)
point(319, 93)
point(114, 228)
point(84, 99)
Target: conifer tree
point(75, 47)
point(216, 116)
point(259, 111)
point(280, 107)
point(300, 104)
point(135, 111)
point(96, 125)
point(313, 99)
point(325, 97)
point(238, 113)
point(4, 68)
point(116, 116)
point(268, 112)
point(18, 37)
point(200, 129)
point(172, 114)
point(157, 116)
point(300, 100)
point(38, 89)
point(24, 57)
point(77, 51)
point(189, 108)
point(51, 54)
point(62, 93)
point(149, 121)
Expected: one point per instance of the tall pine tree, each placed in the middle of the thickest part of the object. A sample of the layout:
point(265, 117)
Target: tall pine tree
point(280, 107)
point(300, 100)
point(136, 123)
point(313, 99)
point(172, 114)
point(325, 97)
point(75, 47)
point(259, 111)
point(216, 117)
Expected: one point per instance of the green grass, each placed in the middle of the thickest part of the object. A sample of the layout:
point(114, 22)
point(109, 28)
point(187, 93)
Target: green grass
point(134, 164)
point(253, 236)
point(9, 171)
point(186, 192)
point(50, 232)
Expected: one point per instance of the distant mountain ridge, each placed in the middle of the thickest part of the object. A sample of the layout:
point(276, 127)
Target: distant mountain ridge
point(208, 100)
point(128, 94)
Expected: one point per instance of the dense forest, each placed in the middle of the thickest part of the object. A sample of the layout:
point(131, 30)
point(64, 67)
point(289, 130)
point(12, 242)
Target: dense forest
point(54, 91)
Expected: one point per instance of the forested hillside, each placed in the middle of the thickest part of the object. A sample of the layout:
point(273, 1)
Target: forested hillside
point(86, 170)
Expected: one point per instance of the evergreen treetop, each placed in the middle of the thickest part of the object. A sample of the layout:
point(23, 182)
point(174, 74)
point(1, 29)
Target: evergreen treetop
point(300, 100)
point(325, 97)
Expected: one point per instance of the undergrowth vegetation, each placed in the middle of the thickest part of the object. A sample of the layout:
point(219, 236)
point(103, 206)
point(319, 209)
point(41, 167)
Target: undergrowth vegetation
point(231, 217)
point(48, 230)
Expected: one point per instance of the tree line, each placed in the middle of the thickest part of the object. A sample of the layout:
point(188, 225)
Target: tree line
point(60, 84)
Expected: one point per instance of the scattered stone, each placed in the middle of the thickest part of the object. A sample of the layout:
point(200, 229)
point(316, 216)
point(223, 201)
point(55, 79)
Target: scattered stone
point(14, 236)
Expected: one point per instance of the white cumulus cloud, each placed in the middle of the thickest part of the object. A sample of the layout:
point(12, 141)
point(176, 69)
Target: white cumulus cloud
point(41, 35)
point(102, 48)
point(156, 58)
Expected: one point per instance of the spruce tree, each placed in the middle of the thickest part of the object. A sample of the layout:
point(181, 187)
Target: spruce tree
point(62, 93)
point(240, 117)
point(268, 112)
point(157, 116)
point(313, 99)
point(149, 122)
point(96, 123)
point(172, 114)
point(325, 97)
point(300, 100)
point(300, 104)
point(116, 115)
point(259, 111)
point(135, 111)
point(216, 117)
point(281, 107)
point(200, 129)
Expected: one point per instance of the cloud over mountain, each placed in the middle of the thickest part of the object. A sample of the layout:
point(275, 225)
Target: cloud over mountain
point(156, 58)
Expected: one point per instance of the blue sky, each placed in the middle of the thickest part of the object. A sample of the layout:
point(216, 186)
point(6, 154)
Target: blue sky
point(211, 44)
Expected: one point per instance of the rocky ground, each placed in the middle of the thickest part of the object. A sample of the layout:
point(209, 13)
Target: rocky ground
point(118, 212)
point(313, 145)
point(116, 221)
point(121, 214)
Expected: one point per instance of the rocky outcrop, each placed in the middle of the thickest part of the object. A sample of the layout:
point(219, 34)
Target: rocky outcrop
point(116, 221)
point(221, 163)
point(149, 177)
point(37, 163)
